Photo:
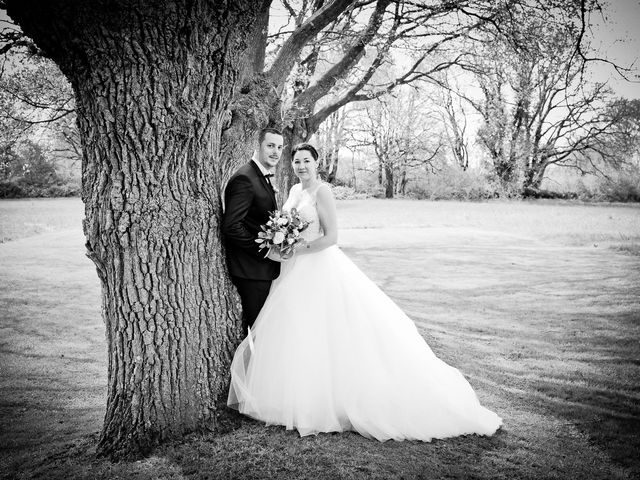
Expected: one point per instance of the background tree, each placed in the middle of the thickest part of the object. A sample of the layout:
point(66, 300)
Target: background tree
point(537, 106)
point(454, 120)
point(330, 137)
point(37, 108)
point(402, 135)
point(619, 145)
point(338, 65)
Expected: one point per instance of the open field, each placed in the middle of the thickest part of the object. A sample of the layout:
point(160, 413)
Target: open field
point(537, 303)
point(26, 217)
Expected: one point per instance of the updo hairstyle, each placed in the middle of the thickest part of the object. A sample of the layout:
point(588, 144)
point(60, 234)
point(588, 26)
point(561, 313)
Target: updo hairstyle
point(305, 146)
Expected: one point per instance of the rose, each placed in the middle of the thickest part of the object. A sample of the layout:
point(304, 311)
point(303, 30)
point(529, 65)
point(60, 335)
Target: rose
point(282, 232)
point(278, 238)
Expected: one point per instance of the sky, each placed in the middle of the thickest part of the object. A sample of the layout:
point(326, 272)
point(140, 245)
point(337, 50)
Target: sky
point(615, 34)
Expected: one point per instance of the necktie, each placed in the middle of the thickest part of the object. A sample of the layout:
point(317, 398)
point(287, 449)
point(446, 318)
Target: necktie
point(268, 177)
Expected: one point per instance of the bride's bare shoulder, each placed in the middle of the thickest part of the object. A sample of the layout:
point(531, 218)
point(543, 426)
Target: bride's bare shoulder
point(324, 194)
point(324, 189)
point(295, 188)
point(294, 193)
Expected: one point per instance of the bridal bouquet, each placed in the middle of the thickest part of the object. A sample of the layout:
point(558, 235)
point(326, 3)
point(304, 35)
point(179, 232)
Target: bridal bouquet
point(282, 232)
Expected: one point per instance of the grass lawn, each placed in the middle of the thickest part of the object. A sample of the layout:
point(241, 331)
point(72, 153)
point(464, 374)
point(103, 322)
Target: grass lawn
point(33, 216)
point(537, 303)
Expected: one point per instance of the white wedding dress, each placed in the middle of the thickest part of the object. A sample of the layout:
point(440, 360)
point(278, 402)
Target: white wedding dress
point(331, 352)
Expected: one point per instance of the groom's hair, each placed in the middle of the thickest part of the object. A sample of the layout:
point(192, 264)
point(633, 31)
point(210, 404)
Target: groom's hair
point(264, 131)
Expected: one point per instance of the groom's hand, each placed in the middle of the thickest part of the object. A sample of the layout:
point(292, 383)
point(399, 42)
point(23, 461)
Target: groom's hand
point(273, 255)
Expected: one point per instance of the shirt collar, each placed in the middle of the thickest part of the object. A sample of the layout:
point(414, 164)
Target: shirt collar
point(260, 166)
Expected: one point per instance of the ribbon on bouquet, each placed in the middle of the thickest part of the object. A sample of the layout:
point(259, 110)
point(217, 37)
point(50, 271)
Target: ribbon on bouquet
point(250, 337)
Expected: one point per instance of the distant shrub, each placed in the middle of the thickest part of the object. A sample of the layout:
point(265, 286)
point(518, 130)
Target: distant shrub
point(451, 183)
point(550, 194)
point(621, 189)
point(341, 182)
point(344, 192)
point(618, 186)
point(376, 191)
point(582, 190)
point(29, 173)
point(64, 190)
point(19, 188)
point(501, 190)
point(622, 186)
point(10, 189)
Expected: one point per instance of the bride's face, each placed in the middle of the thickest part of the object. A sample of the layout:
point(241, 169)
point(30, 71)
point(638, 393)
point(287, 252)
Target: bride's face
point(304, 165)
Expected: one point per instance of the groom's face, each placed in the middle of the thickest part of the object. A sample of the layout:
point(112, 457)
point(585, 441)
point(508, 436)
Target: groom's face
point(270, 150)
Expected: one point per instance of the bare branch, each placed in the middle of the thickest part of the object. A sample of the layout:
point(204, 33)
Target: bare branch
point(290, 50)
point(289, 8)
point(349, 59)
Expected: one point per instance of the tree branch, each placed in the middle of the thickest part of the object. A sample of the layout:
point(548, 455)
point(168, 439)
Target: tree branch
point(316, 91)
point(290, 50)
point(14, 38)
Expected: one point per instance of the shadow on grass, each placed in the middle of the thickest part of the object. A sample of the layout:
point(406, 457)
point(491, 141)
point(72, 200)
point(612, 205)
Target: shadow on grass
point(607, 418)
point(252, 451)
point(602, 402)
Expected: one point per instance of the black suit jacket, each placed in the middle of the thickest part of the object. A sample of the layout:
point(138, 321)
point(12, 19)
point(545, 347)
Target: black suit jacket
point(248, 201)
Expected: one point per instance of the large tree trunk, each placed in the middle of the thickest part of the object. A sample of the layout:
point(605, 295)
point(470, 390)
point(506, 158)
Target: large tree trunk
point(254, 107)
point(153, 82)
point(256, 103)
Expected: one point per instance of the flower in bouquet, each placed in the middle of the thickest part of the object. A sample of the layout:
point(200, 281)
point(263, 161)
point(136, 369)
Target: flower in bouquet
point(282, 232)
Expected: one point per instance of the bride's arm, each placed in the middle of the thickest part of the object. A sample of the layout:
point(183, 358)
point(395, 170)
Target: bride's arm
point(326, 206)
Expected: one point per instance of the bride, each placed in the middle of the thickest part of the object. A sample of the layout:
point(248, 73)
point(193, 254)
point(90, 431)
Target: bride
point(331, 352)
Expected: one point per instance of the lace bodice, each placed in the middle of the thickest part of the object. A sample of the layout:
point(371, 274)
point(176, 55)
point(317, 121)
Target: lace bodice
point(305, 202)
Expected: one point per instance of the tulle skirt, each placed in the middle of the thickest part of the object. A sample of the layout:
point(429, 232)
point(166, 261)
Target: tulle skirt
point(331, 352)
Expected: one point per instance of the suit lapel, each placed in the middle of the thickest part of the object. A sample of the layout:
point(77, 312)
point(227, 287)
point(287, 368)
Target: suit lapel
point(264, 183)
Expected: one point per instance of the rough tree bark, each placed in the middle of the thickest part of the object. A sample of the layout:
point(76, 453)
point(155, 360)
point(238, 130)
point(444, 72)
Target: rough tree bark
point(255, 105)
point(153, 82)
point(388, 180)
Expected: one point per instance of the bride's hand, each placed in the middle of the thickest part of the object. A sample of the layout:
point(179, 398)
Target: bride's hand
point(301, 247)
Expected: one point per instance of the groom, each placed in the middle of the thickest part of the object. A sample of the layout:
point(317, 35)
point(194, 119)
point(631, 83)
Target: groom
point(249, 197)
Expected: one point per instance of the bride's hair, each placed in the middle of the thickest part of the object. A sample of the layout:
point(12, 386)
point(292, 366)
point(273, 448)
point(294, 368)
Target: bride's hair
point(305, 146)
